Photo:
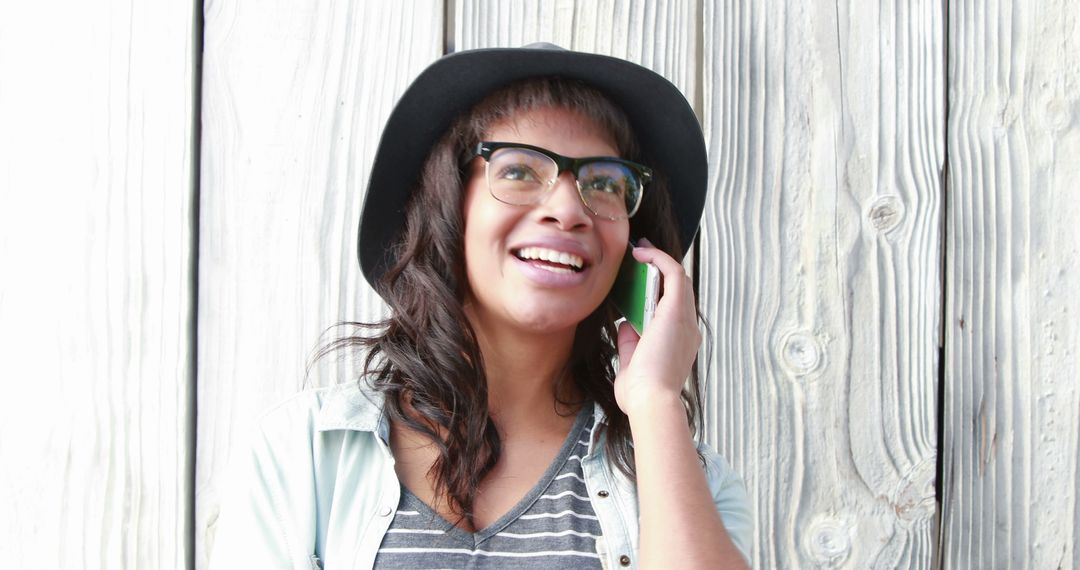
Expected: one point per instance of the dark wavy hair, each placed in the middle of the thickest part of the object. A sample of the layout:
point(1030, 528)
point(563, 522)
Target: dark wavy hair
point(425, 357)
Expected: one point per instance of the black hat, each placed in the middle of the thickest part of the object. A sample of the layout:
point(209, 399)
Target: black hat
point(666, 127)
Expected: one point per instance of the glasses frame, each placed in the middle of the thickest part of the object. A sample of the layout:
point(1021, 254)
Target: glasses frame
point(569, 164)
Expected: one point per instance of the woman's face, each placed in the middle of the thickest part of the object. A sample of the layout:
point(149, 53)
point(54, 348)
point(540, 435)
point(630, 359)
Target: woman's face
point(508, 284)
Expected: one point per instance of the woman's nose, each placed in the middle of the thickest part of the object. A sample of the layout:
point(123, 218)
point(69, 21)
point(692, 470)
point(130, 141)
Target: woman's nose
point(563, 204)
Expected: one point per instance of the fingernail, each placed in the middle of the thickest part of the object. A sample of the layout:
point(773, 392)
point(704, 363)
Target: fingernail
point(645, 242)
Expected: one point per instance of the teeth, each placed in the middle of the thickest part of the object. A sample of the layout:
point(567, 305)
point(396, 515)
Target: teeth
point(554, 269)
point(560, 257)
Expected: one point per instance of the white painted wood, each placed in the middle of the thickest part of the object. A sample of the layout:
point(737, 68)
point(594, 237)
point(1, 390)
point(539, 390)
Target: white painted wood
point(96, 182)
point(659, 34)
point(1011, 488)
point(820, 272)
point(295, 98)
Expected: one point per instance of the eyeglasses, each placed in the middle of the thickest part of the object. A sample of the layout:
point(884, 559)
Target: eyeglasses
point(522, 175)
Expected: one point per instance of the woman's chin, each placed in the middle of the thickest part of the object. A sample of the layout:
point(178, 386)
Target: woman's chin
point(547, 321)
point(526, 314)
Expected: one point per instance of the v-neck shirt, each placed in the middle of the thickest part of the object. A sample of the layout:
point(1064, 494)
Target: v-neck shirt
point(553, 526)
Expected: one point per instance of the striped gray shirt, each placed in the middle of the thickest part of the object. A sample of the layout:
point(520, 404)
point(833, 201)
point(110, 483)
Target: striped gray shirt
point(553, 526)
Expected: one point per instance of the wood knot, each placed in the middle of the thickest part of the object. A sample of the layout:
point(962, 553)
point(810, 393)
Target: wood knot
point(801, 353)
point(913, 499)
point(886, 213)
point(1057, 115)
point(828, 540)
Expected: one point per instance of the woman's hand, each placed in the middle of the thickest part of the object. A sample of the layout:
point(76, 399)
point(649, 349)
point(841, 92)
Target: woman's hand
point(680, 524)
point(653, 367)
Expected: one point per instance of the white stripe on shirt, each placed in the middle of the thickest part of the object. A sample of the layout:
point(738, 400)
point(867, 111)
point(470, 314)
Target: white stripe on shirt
point(563, 494)
point(574, 475)
point(539, 534)
point(415, 531)
point(487, 553)
point(558, 515)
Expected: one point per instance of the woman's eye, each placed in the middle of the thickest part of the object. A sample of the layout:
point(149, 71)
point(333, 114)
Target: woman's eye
point(603, 184)
point(518, 173)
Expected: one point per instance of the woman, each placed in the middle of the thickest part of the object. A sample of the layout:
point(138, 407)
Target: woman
point(491, 427)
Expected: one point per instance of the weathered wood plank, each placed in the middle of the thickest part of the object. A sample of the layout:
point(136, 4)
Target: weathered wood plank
point(96, 186)
point(295, 97)
point(820, 272)
point(661, 35)
point(1012, 403)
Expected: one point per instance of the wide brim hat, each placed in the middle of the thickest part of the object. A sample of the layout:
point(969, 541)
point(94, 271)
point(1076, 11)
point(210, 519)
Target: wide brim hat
point(666, 127)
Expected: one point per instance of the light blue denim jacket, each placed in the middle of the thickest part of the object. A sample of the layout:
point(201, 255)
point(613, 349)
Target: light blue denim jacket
point(317, 486)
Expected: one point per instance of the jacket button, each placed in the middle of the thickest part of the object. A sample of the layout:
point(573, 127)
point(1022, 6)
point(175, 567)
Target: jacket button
point(602, 494)
point(385, 510)
point(624, 560)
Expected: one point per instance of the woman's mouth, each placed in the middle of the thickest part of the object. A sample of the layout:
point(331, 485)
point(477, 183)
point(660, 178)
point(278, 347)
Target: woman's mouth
point(550, 259)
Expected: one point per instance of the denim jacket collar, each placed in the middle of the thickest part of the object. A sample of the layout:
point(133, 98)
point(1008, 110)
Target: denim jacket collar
point(348, 407)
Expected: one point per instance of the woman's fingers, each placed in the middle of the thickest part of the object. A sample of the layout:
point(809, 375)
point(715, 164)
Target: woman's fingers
point(655, 365)
point(678, 290)
point(627, 342)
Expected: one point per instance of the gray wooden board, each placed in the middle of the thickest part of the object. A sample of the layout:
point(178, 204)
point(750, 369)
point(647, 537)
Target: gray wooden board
point(820, 272)
point(295, 97)
point(1012, 400)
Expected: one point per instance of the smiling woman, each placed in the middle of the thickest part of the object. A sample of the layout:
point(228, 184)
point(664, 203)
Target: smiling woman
point(541, 295)
point(492, 423)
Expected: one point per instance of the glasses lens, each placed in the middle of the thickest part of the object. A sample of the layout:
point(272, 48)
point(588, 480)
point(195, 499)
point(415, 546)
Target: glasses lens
point(611, 189)
point(519, 176)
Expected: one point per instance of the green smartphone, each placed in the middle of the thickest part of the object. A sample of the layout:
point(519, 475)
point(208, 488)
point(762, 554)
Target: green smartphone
point(636, 290)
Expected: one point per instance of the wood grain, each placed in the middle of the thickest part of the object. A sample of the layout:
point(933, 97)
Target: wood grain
point(96, 186)
point(820, 272)
point(1012, 400)
point(295, 98)
point(662, 35)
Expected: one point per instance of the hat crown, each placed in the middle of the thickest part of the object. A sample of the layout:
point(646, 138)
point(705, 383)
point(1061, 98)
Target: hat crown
point(544, 45)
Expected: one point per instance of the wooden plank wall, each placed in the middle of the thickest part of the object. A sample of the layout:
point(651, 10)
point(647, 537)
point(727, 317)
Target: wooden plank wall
point(888, 178)
point(820, 271)
point(295, 95)
point(97, 104)
point(1011, 479)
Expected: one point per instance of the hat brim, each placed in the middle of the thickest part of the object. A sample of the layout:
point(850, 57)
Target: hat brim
point(667, 129)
